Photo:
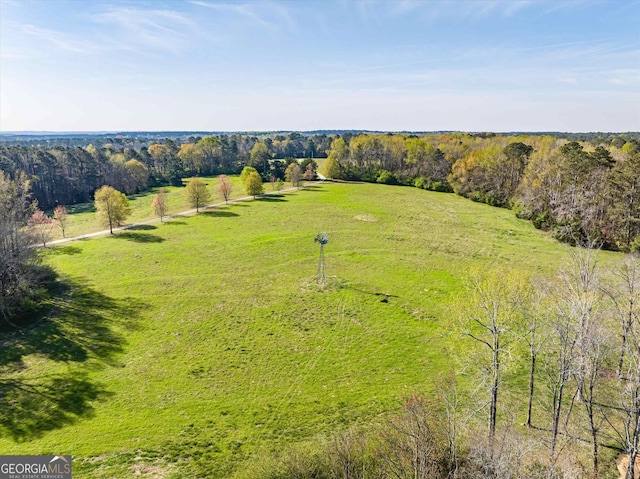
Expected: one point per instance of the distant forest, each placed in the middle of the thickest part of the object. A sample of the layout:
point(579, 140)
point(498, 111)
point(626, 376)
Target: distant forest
point(137, 139)
point(581, 186)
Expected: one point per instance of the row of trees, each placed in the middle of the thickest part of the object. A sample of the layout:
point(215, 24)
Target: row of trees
point(65, 175)
point(581, 192)
point(280, 144)
point(577, 190)
point(22, 225)
point(112, 206)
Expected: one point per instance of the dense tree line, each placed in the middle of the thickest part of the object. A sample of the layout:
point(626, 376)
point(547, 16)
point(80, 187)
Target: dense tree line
point(579, 191)
point(138, 139)
point(69, 175)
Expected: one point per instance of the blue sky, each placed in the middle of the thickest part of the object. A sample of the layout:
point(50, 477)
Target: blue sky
point(302, 65)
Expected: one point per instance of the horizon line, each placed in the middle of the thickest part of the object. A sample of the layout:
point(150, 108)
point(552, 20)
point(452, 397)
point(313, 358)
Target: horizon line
point(108, 132)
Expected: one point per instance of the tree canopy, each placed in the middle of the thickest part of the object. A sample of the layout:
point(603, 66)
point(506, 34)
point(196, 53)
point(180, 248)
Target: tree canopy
point(112, 207)
point(253, 184)
point(197, 193)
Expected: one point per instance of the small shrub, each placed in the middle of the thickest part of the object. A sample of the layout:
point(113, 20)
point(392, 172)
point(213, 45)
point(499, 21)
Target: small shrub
point(441, 186)
point(421, 183)
point(387, 178)
point(541, 221)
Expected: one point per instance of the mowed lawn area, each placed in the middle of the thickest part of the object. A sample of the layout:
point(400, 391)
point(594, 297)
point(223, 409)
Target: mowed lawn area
point(180, 349)
point(82, 217)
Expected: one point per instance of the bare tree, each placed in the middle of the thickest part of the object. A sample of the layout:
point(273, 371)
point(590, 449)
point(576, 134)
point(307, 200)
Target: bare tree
point(224, 187)
point(489, 315)
point(61, 216)
point(534, 307)
point(160, 204)
point(624, 418)
point(447, 389)
point(592, 355)
point(41, 225)
point(415, 442)
point(576, 297)
point(349, 456)
point(625, 297)
point(512, 456)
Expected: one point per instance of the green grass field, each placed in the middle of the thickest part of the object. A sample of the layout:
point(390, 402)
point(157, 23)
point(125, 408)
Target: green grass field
point(178, 350)
point(82, 217)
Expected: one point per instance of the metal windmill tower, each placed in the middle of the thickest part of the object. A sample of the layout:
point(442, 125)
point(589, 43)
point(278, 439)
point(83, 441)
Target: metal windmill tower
point(323, 239)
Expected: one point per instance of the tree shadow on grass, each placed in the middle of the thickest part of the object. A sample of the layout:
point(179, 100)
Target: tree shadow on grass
point(81, 208)
point(142, 228)
point(58, 250)
point(79, 333)
point(314, 188)
point(31, 408)
point(139, 237)
point(220, 213)
point(272, 198)
point(174, 220)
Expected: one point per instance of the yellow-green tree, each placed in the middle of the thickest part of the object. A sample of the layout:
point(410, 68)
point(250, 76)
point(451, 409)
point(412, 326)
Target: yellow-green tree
point(338, 156)
point(209, 149)
point(112, 207)
point(246, 171)
point(191, 157)
point(293, 174)
point(139, 174)
point(197, 193)
point(253, 184)
point(260, 156)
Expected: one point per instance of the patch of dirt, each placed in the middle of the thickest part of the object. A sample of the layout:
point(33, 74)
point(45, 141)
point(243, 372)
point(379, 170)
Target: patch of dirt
point(93, 459)
point(368, 218)
point(151, 471)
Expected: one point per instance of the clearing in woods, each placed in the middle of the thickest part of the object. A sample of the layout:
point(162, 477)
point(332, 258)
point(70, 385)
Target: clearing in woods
point(184, 347)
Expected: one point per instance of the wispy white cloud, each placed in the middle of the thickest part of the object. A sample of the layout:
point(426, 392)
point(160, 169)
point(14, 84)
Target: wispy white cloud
point(512, 7)
point(406, 6)
point(555, 6)
point(117, 29)
point(270, 15)
point(459, 10)
point(164, 30)
point(624, 77)
point(60, 40)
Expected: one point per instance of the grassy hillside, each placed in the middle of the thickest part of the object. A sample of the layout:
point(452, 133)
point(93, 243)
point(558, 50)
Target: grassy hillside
point(180, 349)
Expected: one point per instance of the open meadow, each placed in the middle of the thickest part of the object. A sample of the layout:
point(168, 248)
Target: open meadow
point(82, 217)
point(180, 349)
